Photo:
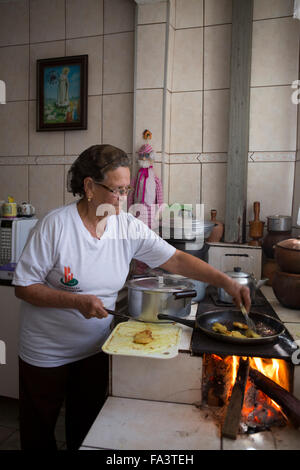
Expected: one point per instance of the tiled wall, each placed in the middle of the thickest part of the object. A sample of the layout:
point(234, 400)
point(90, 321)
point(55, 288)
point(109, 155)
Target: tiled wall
point(192, 138)
point(198, 90)
point(33, 165)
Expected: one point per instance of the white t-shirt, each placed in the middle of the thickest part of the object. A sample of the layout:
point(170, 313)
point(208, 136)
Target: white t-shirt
point(62, 254)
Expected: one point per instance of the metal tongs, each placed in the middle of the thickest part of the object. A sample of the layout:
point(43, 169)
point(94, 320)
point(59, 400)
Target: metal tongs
point(250, 323)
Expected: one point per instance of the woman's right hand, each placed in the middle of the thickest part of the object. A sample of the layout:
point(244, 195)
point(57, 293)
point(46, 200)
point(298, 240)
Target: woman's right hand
point(91, 307)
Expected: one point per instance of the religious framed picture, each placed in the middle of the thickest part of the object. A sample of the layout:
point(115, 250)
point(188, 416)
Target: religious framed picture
point(62, 85)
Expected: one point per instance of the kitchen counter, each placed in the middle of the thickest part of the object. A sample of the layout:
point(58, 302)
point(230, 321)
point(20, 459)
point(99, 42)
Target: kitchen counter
point(155, 404)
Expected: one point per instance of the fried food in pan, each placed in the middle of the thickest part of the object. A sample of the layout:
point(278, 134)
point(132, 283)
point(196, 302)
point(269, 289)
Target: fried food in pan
point(219, 328)
point(240, 325)
point(247, 332)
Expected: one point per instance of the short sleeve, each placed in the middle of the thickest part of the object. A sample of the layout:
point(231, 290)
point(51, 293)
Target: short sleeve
point(148, 247)
point(36, 261)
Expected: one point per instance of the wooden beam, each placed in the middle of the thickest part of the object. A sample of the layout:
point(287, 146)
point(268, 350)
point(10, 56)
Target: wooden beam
point(289, 403)
point(233, 413)
point(237, 164)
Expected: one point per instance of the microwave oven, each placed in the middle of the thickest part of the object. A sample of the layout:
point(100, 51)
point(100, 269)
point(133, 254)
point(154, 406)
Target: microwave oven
point(13, 237)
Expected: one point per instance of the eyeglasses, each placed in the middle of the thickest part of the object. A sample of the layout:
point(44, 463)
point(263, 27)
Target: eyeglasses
point(122, 191)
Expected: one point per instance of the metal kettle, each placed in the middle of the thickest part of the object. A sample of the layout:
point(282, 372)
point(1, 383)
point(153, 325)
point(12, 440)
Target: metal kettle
point(244, 279)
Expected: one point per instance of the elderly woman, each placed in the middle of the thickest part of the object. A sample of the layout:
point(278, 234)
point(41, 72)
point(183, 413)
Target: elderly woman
point(74, 264)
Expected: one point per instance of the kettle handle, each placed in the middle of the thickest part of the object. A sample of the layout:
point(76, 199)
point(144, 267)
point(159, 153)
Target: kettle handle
point(184, 294)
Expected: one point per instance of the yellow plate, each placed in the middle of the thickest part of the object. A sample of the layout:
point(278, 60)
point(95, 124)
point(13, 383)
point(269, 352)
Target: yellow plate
point(164, 345)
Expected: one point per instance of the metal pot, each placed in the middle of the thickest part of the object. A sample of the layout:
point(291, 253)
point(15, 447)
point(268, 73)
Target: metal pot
point(198, 286)
point(287, 255)
point(149, 296)
point(245, 279)
point(279, 223)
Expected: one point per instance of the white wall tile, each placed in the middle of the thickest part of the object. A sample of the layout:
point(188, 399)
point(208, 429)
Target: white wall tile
point(165, 171)
point(16, 80)
point(272, 185)
point(273, 119)
point(84, 18)
point(152, 13)
point(118, 16)
point(213, 189)
point(170, 63)
point(14, 182)
point(149, 116)
point(189, 13)
point(117, 120)
point(118, 63)
point(42, 51)
point(68, 197)
point(168, 121)
point(47, 20)
point(14, 128)
point(188, 60)
point(151, 55)
point(77, 141)
point(186, 122)
point(218, 11)
point(272, 9)
point(150, 379)
point(46, 187)
point(14, 22)
point(275, 52)
point(216, 121)
point(217, 53)
point(43, 143)
point(185, 184)
point(92, 46)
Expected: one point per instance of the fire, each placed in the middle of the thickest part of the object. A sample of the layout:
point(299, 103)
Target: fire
point(275, 369)
point(259, 411)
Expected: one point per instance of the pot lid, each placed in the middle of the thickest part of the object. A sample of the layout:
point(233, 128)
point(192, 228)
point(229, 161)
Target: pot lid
point(165, 283)
point(237, 273)
point(290, 244)
point(279, 217)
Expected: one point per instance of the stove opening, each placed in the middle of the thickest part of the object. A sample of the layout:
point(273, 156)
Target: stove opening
point(221, 387)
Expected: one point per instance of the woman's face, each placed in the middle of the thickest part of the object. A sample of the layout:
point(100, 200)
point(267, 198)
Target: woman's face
point(114, 180)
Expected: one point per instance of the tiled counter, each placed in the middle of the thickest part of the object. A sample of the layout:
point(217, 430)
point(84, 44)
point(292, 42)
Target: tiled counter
point(154, 404)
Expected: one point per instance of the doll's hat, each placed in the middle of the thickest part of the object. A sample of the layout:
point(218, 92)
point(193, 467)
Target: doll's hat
point(146, 150)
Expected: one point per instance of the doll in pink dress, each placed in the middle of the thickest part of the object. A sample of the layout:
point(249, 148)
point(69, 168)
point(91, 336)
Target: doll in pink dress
point(147, 192)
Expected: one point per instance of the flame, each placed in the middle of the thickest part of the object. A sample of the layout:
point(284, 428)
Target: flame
point(275, 369)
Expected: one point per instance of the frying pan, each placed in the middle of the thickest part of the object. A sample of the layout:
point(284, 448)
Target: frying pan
point(205, 321)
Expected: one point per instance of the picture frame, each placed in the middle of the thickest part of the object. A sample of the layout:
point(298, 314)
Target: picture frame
point(62, 91)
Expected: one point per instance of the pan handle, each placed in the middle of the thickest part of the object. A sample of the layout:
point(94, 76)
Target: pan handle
point(183, 321)
point(184, 294)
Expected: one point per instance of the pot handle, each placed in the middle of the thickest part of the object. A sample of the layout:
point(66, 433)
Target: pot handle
point(184, 294)
point(182, 321)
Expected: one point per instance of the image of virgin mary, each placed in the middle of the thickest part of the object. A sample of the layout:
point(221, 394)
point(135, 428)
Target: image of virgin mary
point(63, 89)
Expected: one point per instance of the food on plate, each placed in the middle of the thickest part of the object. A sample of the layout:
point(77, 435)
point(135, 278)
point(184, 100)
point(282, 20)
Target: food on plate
point(143, 337)
point(246, 332)
point(240, 325)
point(165, 339)
point(219, 328)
